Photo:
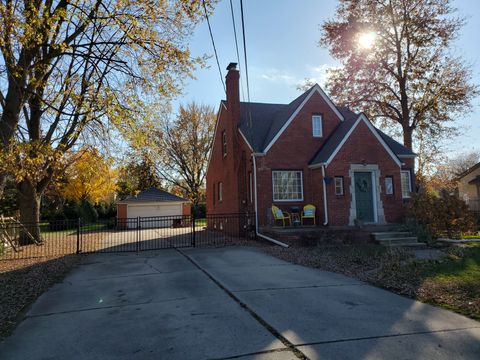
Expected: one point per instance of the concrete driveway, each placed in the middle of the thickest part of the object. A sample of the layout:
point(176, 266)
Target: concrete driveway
point(229, 303)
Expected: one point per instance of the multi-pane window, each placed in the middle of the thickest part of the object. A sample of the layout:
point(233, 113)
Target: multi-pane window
point(406, 183)
point(220, 192)
point(224, 143)
point(389, 185)
point(317, 125)
point(287, 185)
point(339, 185)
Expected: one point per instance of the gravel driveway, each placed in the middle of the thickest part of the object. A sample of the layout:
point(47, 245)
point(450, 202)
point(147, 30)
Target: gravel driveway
point(229, 303)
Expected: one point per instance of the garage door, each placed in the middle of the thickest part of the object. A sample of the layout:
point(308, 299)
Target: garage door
point(152, 215)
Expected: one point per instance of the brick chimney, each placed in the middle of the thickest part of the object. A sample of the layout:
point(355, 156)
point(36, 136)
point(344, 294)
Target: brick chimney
point(233, 92)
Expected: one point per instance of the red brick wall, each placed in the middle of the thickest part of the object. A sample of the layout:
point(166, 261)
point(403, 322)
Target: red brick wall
point(186, 209)
point(363, 147)
point(233, 169)
point(122, 211)
point(293, 151)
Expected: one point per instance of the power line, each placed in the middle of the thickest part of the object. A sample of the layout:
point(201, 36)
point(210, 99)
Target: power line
point(236, 45)
point(245, 50)
point(214, 47)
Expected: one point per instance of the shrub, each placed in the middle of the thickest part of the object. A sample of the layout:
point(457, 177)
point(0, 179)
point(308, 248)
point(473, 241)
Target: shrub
point(106, 210)
point(199, 210)
point(438, 215)
point(87, 211)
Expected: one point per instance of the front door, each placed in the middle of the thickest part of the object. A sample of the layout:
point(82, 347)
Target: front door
point(364, 196)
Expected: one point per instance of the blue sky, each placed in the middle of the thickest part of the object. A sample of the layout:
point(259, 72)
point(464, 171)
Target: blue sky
point(282, 37)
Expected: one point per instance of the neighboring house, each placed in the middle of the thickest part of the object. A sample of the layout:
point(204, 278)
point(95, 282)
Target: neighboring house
point(469, 187)
point(152, 203)
point(305, 152)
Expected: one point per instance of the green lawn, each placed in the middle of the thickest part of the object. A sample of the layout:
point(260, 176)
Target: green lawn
point(200, 222)
point(452, 282)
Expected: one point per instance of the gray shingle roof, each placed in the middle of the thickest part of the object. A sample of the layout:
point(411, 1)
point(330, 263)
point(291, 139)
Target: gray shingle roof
point(261, 122)
point(153, 195)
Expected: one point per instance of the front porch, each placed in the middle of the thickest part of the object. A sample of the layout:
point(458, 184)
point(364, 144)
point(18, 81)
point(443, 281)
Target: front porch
point(310, 235)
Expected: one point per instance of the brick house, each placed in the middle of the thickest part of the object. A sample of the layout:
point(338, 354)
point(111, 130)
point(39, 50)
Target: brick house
point(306, 152)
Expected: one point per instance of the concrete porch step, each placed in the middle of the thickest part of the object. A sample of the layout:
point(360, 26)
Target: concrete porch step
point(405, 244)
point(391, 235)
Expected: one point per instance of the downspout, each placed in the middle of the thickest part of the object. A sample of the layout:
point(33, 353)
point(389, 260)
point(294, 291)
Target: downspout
point(325, 205)
point(256, 208)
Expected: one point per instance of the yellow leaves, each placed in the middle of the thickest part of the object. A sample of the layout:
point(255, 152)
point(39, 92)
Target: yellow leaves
point(90, 177)
point(31, 161)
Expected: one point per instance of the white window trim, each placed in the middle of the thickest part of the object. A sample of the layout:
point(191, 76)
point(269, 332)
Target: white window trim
point(273, 186)
point(393, 186)
point(409, 183)
point(224, 143)
point(320, 127)
point(220, 191)
point(342, 185)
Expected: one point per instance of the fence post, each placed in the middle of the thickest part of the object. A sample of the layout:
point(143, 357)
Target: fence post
point(192, 218)
point(79, 223)
point(138, 233)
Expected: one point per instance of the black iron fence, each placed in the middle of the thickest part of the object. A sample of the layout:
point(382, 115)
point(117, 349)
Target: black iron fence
point(64, 237)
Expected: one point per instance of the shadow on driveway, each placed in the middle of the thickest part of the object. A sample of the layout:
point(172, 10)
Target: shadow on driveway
point(228, 303)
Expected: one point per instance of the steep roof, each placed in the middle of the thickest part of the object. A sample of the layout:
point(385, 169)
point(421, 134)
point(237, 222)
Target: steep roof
point(468, 171)
point(261, 122)
point(152, 195)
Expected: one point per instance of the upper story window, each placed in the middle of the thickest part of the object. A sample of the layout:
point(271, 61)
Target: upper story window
point(287, 185)
point(406, 183)
point(317, 126)
point(224, 143)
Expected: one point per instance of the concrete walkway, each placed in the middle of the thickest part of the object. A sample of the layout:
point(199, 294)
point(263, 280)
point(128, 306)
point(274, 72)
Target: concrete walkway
point(229, 303)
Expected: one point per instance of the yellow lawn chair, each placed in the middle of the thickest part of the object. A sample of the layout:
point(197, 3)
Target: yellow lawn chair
point(308, 212)
point(281, 215)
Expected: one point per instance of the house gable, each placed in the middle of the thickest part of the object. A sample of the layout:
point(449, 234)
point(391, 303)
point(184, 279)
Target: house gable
point(326, 155)
point(315, 89)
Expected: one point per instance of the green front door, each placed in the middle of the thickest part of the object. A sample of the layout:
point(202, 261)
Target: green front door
point(364, 196)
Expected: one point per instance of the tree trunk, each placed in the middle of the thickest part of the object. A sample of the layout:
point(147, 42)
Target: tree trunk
point(407, 137)
point(29, 206)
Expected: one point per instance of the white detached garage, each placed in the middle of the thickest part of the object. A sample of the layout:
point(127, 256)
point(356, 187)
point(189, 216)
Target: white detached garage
point(149, 206)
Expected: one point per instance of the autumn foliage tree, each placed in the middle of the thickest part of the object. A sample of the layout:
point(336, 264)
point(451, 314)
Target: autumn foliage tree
point(396, 64)
point(90, 177)
point(71, 70)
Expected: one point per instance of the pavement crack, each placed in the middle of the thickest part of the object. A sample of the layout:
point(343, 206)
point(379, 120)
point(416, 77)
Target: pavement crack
point(387, 336)
point(297, 287)
point(290, 346)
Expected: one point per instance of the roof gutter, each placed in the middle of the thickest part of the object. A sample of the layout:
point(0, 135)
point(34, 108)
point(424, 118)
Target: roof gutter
point(256, 208)
point(325, 205)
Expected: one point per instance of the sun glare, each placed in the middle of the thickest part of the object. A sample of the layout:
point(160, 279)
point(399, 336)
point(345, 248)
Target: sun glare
point(367, 40)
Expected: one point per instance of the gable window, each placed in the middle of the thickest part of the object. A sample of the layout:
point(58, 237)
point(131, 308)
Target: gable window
point(389, 185)
point(339, 185)
point(224, 143)
point(287, 185)
point(406, 184)
point(317, 126)
point(220, 191)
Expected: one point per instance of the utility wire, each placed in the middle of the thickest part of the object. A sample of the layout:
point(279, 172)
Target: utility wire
point(214, 47)
point(245, 50)
point(236, 45)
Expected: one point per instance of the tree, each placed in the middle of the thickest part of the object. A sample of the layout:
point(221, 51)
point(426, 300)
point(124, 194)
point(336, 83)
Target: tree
point(182, 148)
point(73, 69)
point(396, 65)
point(89, 178)
point(445, 176)
point(137, 175)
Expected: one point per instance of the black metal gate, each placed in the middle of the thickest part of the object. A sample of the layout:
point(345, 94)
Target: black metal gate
point(129, 234)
